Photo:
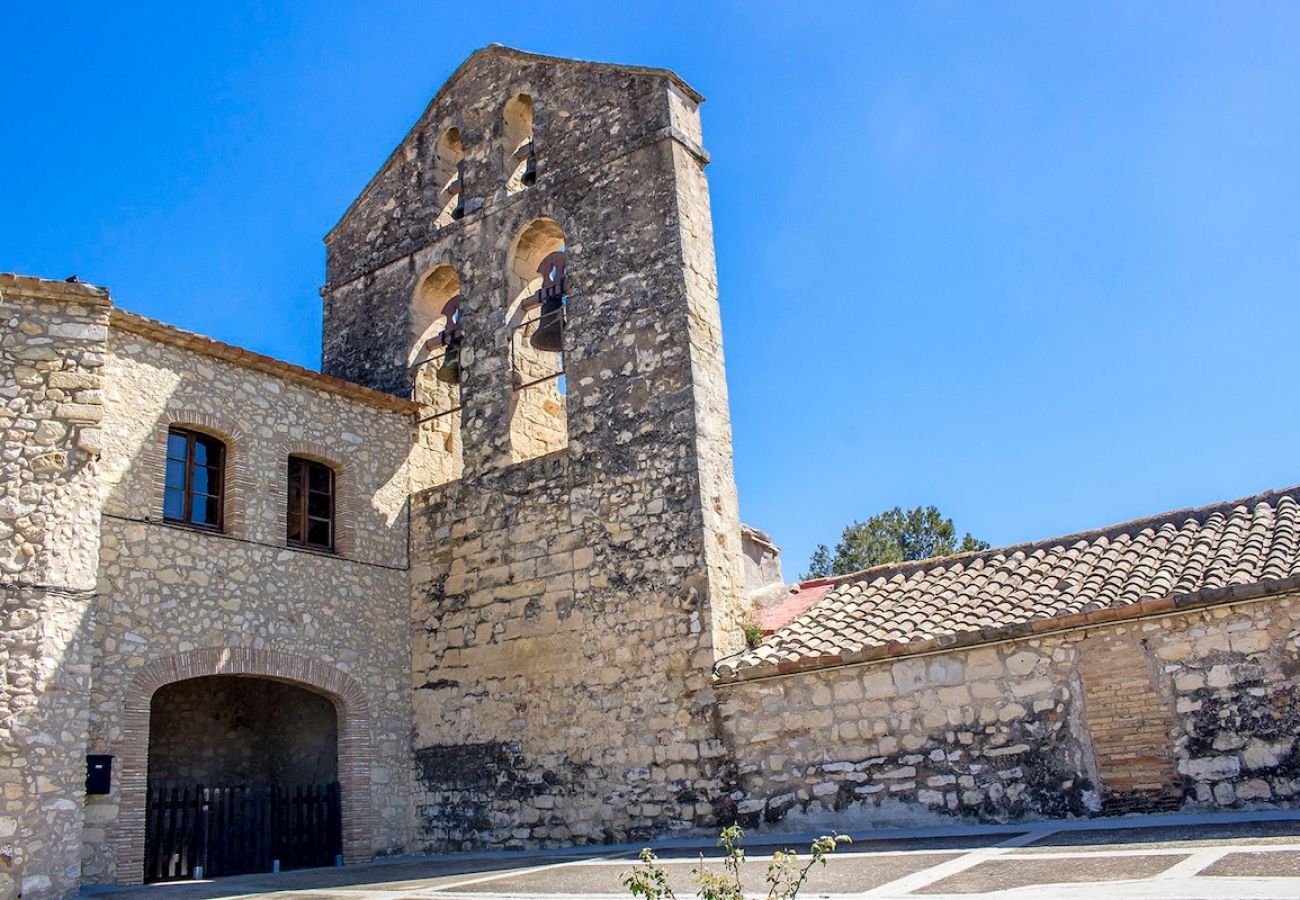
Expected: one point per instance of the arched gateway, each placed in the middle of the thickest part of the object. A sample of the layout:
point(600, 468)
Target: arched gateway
point(350, 722)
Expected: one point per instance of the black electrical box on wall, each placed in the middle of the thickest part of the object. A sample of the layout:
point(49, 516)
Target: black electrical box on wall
point(99, 774)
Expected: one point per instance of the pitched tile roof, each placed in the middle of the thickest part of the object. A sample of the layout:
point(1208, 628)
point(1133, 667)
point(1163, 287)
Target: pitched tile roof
point(800, 600)
point(1246, 547)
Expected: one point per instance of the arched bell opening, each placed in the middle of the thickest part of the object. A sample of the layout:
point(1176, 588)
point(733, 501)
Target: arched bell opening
point(537, 281)
point(242, 776)
point(519, 149)
point(435, 361)
point(449, 171)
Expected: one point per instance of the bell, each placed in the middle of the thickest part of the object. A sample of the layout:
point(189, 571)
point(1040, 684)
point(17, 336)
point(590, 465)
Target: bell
point(449, 369)
point(529, 176)
point(458, 185)
point(549, 335)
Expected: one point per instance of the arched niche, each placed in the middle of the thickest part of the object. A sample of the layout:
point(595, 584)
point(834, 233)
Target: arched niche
point(538, 423)
point(519, 159)
point(434, 359)
point(449, 158)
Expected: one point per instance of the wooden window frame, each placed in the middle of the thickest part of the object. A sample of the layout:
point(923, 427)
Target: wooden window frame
point(300, 540)
point(192, 438)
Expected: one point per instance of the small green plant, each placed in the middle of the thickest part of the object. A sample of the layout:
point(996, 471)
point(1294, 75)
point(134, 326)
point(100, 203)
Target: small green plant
point(753, 632)
point(786, 873)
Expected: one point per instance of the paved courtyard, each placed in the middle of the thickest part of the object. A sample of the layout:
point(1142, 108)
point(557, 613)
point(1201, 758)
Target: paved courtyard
point(1185, 856)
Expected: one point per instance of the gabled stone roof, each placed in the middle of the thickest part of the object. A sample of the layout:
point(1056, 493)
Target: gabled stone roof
point(520, 56)
point(1244, 548)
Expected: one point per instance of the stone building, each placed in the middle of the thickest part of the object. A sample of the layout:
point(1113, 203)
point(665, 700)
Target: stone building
point(486, 573)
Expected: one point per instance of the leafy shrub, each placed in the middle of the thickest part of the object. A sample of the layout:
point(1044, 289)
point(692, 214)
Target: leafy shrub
point(786, 873)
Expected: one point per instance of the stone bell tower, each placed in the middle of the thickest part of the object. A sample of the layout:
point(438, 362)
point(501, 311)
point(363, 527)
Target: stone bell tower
point(534, 264)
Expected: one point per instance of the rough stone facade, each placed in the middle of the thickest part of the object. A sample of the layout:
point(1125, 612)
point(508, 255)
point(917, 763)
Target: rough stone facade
point(166, 589)
point(528, 630)
point(569, 595)
point(51, 356)
point(105, 602)
point(1206, 714)
point(246, 730)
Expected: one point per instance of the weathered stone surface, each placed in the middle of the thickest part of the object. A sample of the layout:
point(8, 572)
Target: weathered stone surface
point(571, 588)
point(533, 585)
point(1017, 739)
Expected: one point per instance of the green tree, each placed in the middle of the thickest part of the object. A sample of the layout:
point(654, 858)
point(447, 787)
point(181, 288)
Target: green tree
point(895, 535)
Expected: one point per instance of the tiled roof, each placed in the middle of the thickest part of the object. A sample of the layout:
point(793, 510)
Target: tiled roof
point(1243, 548)
point(798, 603)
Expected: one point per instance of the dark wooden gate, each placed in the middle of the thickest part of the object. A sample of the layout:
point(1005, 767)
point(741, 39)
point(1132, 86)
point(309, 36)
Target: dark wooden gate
point(238, 830)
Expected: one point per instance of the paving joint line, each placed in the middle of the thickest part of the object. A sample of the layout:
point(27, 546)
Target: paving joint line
point(1194, 864)
point(927, 876)
point(496, 876)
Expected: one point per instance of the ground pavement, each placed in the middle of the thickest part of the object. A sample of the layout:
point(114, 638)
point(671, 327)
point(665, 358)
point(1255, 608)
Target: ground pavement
point(1229, 856)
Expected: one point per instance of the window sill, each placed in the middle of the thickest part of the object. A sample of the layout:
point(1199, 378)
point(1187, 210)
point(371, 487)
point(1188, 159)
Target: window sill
point(314, 551)
point(190, 526)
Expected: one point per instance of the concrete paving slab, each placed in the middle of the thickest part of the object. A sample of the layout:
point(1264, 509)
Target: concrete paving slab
point(1255, 865)
point(1001, 874)
point(841, 875)
point(1172, 837)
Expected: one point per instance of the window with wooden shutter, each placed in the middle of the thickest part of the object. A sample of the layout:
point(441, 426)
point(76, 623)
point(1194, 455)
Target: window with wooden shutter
point(310, 514)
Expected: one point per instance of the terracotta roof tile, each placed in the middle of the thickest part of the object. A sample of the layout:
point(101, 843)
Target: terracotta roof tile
point(1224, 550)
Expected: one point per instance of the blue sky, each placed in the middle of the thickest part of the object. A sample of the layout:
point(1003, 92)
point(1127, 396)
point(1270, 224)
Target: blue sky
point(1037, 264)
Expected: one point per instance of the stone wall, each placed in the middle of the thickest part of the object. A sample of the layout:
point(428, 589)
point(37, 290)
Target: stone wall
point(761, 560)
point(242, 600)
point(568, 607)
point(228, 731)
point(51, 354)
point(1193, 710)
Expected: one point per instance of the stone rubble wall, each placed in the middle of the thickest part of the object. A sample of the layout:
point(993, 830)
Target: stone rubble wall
point(1016, 731)
point(563, 606)
point(254, 732)
point(166, 589)
point(1234, 677)
point(51, 354)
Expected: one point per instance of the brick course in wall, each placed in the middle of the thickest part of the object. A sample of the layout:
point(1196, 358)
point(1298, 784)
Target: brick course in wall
point(356, 744)
point(1130, 725)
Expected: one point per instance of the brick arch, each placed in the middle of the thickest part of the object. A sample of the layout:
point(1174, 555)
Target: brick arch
point(239, 479)
point(355, 746)
point(347, 507)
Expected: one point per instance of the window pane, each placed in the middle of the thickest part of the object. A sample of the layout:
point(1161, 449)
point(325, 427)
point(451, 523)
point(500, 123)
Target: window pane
point(175, 474)
point(201, 485)
point(318, 533)
point(173, 505)
point(318, 505)
point(176, 445)
point(294, 531)
point(204, 510)
point(320, 478)
point(206, 451)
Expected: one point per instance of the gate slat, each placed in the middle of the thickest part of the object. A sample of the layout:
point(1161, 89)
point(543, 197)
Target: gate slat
point(235, 829)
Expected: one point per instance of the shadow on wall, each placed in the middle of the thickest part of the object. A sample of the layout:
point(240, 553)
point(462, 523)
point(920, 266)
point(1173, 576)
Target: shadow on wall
point(537, 410)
